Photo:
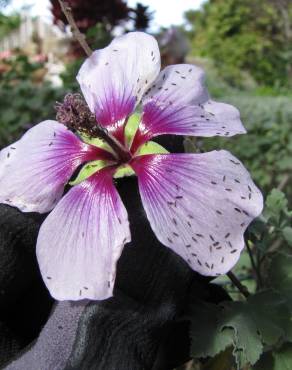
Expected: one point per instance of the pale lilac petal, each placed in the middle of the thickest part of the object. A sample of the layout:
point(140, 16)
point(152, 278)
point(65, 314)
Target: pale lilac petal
point(199, 205)
point(182, 84)
point(178, 103)
point(113, 79)
point(34, 170)
point(81, 240)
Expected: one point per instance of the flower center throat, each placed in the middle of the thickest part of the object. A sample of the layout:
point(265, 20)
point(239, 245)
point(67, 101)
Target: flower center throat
point(75, 114)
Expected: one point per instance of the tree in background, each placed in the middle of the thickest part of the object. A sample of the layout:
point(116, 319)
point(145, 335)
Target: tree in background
point(245, 36)
point(142, 16)
point(8, 23)
point(87, 13)
point(97, 18)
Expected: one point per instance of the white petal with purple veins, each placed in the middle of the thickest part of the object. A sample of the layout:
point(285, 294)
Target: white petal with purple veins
point(113, 79)
point(199, 205)
point(34, 170)
point(81, 240)
point(182, 84)
point(178, 103)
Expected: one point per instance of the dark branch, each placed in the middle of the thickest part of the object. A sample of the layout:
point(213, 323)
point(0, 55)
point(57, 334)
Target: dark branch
point(254, 265)
point(67, 10)
point(243, 289)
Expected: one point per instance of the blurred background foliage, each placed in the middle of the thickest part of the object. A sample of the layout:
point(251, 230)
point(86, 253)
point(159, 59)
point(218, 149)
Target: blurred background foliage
point(8, 24)
point(245, 47)
point(245, 36)
point(25, 98)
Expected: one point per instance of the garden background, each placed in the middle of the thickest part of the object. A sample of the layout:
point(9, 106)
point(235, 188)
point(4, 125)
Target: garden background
point(245, 47)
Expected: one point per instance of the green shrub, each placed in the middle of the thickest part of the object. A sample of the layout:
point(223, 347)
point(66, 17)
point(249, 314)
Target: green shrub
point(245, 36)
point(24, 101)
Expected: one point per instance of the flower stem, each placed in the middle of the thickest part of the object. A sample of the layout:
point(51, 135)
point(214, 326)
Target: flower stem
point(253, 264)
point(243, 289)
point(67, 10)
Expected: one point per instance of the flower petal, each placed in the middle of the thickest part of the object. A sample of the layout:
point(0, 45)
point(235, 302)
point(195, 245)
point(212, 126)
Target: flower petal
point(178, 103)
point(183, 84)
point(34, 170)
point(113, 79)
point(199, 205)
point(81, 240)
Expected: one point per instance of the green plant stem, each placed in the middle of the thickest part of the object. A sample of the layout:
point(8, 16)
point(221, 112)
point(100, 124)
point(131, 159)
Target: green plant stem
point(284, 182)
point(243, 289)
point(67, 10)
point(254, 265)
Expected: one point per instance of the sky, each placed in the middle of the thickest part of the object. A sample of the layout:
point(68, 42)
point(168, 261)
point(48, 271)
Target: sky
point(167, 12)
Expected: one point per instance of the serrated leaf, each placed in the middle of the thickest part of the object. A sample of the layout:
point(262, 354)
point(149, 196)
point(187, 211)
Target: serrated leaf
point(262, 320)
point(207, 337)
point(247, 344)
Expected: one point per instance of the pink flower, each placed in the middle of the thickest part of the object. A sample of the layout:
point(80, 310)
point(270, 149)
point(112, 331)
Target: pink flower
point(4, 55)
point(199, 205)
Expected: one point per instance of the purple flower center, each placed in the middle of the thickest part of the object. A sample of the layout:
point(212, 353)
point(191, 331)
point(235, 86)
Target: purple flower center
point(76, 115)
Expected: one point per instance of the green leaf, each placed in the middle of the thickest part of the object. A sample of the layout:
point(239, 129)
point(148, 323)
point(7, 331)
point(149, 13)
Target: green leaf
point(266, 362)
point(207, 337)
point(247, 343)
point(223, 361)
point(148, 148)
point(280, 275)
point(124, 171)
point(276, 203)
point(96, 142)
point(287, 233)
point(280, 278)
point(151, 147)
point(88, 170)
point(250, 326)
point(261, 320)
point(132, 127)
point(283, 358)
